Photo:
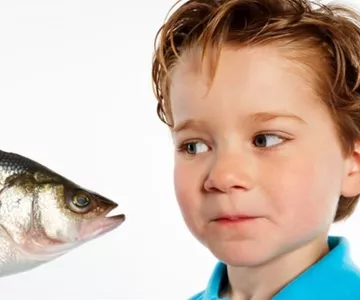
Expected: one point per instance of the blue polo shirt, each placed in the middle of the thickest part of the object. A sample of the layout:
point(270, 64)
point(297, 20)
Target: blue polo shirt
point(334, 277)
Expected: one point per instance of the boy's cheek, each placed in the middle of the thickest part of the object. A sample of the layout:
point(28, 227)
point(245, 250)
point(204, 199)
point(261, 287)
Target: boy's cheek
point(187, 182)
point(186, 189)
point(190, 212)
point(303, 194)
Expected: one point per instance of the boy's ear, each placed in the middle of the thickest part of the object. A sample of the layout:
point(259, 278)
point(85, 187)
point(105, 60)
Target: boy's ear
point(351, 183)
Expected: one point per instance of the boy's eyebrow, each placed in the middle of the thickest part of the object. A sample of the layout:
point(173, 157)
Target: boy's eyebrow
point(257, 117)
point(188, 124)
point(267, 116)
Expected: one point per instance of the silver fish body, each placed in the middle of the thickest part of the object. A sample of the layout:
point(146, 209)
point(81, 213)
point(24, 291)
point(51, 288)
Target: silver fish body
point(43, 215)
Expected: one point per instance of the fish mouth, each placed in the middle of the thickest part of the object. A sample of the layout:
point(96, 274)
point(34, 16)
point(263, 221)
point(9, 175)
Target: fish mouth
point(103, 224)
point(109, 223)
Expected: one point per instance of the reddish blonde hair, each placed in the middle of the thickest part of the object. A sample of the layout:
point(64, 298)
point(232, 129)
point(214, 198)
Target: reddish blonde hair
point(325, 38)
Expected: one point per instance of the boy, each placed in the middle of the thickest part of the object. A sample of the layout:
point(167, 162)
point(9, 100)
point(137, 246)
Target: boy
point(263, 101)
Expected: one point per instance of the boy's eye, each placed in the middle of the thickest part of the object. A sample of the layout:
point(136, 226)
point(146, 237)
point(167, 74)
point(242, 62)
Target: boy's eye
point(261, 140)
point(267, 140)
point(195, 147)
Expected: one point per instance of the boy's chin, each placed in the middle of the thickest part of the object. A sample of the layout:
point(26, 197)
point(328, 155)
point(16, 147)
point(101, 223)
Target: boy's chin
point(242, 254)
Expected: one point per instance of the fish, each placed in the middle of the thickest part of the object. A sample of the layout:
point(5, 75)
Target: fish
point(44, 215)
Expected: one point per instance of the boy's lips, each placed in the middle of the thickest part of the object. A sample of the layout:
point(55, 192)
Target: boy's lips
point(234, 218)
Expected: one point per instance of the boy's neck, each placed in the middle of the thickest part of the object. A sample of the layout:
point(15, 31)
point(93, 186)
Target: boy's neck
point(265, 281)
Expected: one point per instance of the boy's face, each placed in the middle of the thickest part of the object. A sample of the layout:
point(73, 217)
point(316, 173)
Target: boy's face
point(257, 143)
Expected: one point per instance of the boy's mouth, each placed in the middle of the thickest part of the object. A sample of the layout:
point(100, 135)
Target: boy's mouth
point(236, 218)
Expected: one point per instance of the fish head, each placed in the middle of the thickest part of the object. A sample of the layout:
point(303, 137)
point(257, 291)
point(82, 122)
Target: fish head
point(70, 214)
point(43, 215)
point(47, 215)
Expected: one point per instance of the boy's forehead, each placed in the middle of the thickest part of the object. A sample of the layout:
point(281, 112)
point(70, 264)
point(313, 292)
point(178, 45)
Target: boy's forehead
point(194, 61)
point(247, 81)
point(255, 70)
point(262, 66)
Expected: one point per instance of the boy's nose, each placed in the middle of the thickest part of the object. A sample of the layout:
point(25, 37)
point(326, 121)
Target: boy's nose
point(229, 173)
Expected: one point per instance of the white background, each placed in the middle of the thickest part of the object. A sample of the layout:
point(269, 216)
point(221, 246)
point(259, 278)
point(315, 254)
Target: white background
point(75, 95)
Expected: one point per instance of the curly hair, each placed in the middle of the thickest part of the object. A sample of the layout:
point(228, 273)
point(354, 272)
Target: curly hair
point(326, 38)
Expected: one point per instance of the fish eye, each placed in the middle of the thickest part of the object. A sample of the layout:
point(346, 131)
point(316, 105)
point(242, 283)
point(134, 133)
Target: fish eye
point(79, 203)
